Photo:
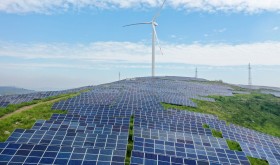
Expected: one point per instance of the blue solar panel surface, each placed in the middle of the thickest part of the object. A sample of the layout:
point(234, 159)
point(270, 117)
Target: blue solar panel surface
point(95, 129)
point(21, 98)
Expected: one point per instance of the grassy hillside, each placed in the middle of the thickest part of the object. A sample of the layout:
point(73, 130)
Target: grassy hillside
point(256, 111)
point(26, 119)
point(14, 107)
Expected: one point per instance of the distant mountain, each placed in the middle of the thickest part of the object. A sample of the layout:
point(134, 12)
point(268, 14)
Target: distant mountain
point(257, 87)
point(264, 89)
point(4, 90)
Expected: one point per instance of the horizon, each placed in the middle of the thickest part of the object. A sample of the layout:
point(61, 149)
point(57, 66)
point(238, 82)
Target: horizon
point(60, 89)
point(66, 44)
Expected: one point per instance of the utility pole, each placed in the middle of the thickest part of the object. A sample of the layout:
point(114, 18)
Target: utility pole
point(249, 76)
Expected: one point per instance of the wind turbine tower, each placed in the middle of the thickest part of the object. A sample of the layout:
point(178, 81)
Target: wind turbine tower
point(249, 75)
point(119, 76)
point(196, 72)
point(154, 35)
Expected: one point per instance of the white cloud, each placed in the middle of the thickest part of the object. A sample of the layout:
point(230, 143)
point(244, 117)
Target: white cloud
point(114, 53)
point(49, 6)
point(275, 28)
point(220, 30)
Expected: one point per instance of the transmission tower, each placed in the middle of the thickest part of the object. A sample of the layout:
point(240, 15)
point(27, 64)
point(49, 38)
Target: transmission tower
point(249, 75)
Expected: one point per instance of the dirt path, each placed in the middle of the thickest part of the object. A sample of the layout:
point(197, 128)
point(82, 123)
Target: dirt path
point(29, 107)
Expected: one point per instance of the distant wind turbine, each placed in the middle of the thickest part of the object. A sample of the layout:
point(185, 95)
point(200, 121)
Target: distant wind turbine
point(249, 75)
point(154, 35)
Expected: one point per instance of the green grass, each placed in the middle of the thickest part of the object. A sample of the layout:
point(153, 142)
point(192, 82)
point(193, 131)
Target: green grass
point(256, 161)
point(205, 126)
point(26, 119)
point(13, 107)
point(130, 141)
point(217, 134)
point(255, 111)
point(233, 145)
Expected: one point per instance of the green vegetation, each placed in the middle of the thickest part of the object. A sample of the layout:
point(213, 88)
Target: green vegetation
point(205, 126)
point(26, 119)
point(13, 107)
point(173, 106)
point(255, 111)
point(256, 161)
point(130, 141)
point(220, 82)
point(217, 134)
point(233, 145)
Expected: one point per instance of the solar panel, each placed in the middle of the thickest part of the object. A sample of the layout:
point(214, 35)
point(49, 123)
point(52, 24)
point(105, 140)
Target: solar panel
point(4, 104)
point(266, 153)
point(42, 154)
point(190, 151)
point(154, 158)
point(95, 129)
point(92, 119)
point(73, 139)
point(180, 137)
point(80, 127)
point(21, 98)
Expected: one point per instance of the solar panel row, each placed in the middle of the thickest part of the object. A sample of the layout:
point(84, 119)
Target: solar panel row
point(272, 155)
point(95, 128)
point(4, 104)
point(179, 137)
point(138, 158)
point(80, 127)
point(42, 154)
point(73, 139)
point(190, 151)
point(17, 99)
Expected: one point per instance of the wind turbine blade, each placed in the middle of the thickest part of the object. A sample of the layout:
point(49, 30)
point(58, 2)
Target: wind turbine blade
point(137, 24)
point(155, 32)
point(158, 13)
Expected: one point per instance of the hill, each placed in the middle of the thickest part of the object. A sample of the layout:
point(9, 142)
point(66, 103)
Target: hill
point(256, 111)
point(160, 120)
point(5, 90)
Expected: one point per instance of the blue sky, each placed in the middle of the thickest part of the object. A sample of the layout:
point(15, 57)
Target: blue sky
point(68, 43)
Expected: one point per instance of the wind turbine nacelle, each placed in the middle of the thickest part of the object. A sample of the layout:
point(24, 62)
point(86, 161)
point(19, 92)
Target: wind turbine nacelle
point(155, 24)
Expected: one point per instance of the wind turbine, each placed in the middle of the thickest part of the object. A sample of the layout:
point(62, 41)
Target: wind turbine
point(196, 72)
point(154, 35)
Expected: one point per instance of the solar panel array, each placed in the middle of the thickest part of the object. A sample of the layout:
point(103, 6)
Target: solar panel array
point(95, 129)
point(189, 151)
point(4, 104)
point(21, 98)
point(273, 92)
point(14, 153)
point(179, 137)
point(113, 140)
